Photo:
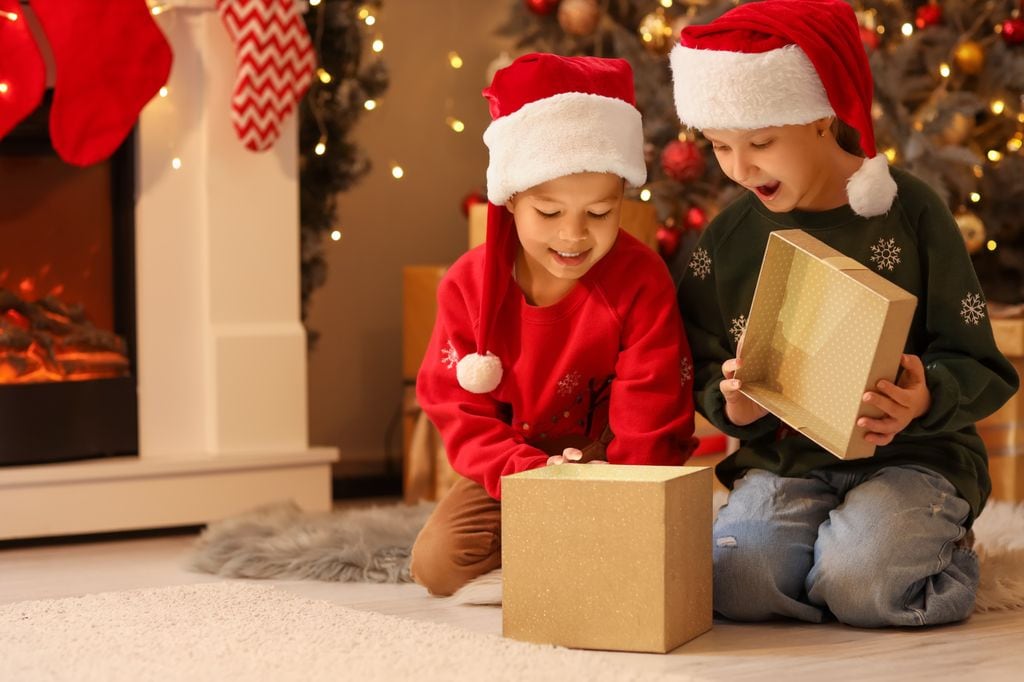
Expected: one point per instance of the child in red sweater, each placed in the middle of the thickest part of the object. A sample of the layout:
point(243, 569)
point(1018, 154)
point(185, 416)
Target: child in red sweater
point(560, 338)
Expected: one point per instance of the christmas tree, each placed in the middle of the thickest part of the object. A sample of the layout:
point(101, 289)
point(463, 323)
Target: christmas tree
point(346, 86)
point(949, 78)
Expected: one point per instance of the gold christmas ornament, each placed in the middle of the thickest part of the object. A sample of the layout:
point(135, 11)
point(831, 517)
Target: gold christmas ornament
point(656, 32)
point(579, 17)
point(958, 130)
point(969, 57)
point(972, 230)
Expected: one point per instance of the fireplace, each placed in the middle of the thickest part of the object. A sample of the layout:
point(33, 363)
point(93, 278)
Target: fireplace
point(67, 308)
point(214, 339)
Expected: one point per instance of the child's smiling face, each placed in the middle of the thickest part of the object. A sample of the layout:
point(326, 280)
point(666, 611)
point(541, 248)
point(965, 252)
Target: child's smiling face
point(565, 226)
point(786, 167)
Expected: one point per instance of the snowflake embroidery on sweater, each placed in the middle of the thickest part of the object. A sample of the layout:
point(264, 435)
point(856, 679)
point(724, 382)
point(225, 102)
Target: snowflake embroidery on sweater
point(972, 309)
point(568, 384)
point(700, 263)
point(449, 356)
point(685, 371)
point(886, 254)
point(739, 325)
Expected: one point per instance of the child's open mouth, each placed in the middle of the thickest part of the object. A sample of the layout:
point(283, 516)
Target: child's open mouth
point(570, 257)
point(768, 192)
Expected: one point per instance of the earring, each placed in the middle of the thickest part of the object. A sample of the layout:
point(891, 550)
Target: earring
point(821, 133)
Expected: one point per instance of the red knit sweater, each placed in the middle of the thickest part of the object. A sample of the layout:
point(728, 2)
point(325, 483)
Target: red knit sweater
point(612, 352)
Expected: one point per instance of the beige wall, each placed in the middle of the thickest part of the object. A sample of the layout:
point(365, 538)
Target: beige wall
point(355, 377)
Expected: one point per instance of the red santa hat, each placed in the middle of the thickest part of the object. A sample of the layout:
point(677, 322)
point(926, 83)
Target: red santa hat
point(551, 116)
point(784, 62)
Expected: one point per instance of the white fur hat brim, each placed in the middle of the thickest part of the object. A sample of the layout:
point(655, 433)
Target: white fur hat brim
point(741, 91)
point(561, 135)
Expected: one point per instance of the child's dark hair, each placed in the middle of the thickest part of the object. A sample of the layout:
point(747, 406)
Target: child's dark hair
point(847, 138)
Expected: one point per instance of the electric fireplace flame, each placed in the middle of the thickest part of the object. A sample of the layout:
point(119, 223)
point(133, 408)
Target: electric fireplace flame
point(46, 340)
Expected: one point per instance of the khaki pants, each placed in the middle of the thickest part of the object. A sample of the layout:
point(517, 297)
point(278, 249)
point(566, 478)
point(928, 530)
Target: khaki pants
point(462, 538)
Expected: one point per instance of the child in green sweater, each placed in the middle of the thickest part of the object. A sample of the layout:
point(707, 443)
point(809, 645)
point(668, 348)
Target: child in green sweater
point(783, 91)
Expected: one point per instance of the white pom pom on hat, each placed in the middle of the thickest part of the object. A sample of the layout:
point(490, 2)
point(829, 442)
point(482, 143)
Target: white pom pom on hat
point(479, 373)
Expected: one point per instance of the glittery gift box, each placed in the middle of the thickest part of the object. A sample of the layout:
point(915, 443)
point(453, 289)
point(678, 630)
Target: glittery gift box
point(605, 556)
point(822, 330)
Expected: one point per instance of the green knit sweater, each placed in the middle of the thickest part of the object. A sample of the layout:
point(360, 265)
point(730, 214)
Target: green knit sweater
point(916, 245)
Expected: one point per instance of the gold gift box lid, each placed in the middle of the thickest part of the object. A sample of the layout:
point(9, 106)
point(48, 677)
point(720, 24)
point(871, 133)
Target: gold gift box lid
point(822, 330)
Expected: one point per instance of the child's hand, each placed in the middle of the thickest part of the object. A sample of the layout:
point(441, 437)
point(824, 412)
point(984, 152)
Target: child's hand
point(901, 403)
point(571, 455)
point(739, 409)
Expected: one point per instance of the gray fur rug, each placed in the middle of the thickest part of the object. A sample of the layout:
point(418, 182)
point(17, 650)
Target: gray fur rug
point(281, 541)
point(373, 545)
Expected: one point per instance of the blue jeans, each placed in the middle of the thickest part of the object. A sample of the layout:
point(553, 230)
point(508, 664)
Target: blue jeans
point(875, 550)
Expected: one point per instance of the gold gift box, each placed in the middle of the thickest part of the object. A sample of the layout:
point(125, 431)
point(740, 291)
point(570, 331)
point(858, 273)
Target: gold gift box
point(822, 330)
point(605, 556)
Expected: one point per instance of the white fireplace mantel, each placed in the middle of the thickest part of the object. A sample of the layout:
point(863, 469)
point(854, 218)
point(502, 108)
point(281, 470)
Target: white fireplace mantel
point(221, 349)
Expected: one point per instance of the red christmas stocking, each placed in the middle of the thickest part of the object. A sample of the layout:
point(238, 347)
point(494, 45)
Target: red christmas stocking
point(111, 60)
point(275, 61)
point(22, 73)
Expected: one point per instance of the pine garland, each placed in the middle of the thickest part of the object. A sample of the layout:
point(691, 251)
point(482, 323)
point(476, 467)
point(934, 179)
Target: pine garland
point(328, 114)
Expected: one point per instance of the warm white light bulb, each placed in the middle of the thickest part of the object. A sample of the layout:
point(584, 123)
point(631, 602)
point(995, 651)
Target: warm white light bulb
point(164, 91)
point(314, 3)
point(176, 163)
point(456, 125)
point(994, 155)
point(991, 245)
point(370, 104)
point(645, 195)
point(907, 29)
point(455, 60)
point(323, 75)
point(975, 197)
point(397, 172)
point(336, 235)
point(998, 106)
point(944, 70)
point(320, 149)
point(370, 20)
point(377, 45)
point(4, 87)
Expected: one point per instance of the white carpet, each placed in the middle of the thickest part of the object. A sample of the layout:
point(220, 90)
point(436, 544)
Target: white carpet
point(240, 631)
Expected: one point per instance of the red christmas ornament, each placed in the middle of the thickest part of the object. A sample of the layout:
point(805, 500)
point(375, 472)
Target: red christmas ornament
point(696, 218)
point(541, 7)
point(682, 161)
point(1013, 31)
point(668, 241)
point(472, 199)
point(869, 38)
point(928, 15)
